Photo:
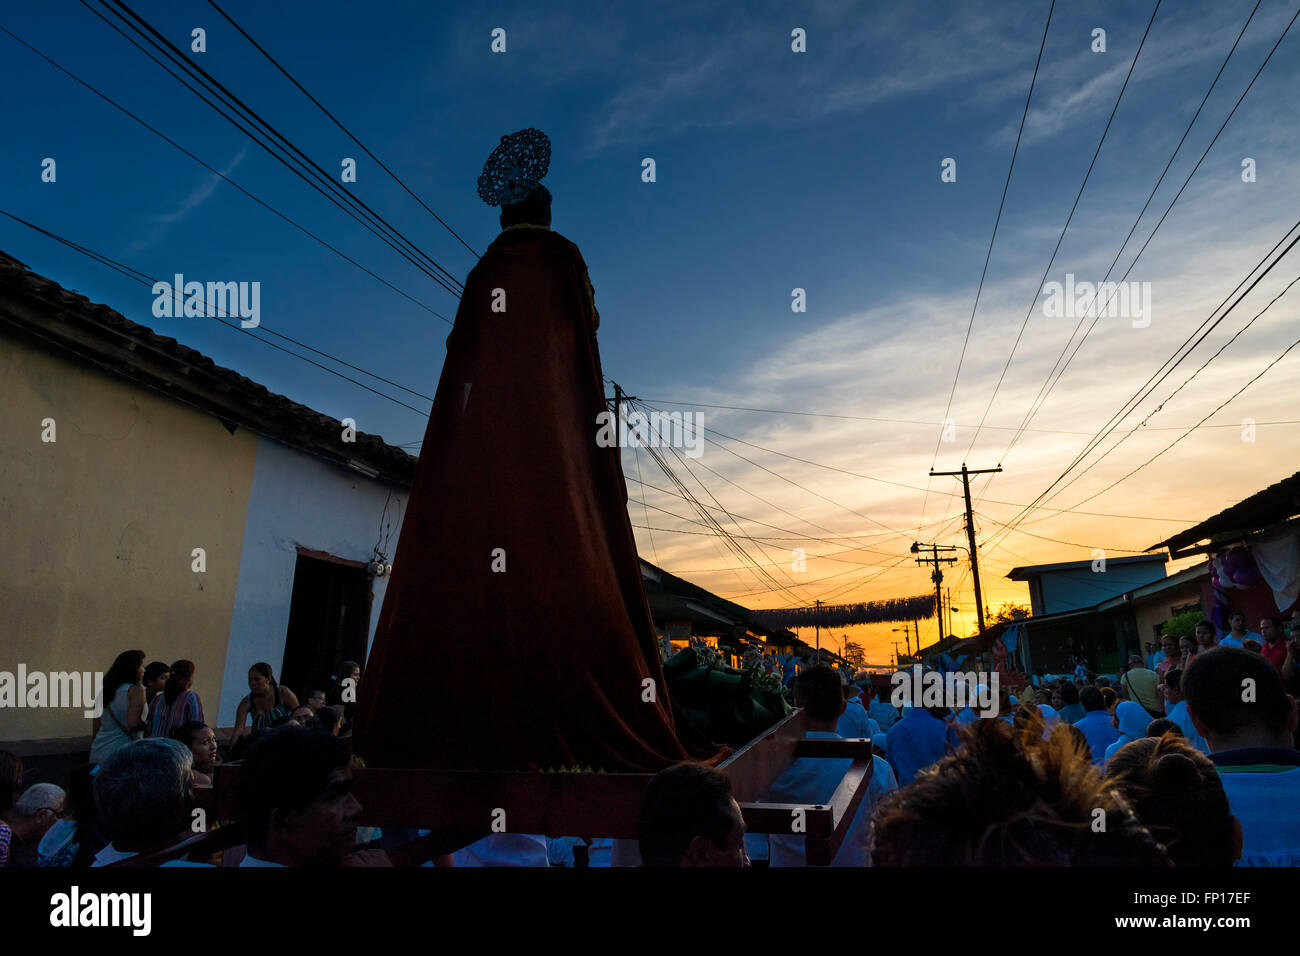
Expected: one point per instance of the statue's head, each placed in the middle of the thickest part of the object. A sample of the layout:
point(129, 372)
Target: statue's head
point(535, 209)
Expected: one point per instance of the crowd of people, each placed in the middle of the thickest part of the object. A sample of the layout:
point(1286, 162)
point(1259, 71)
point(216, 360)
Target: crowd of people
point(1186, 761)
point(152, 749)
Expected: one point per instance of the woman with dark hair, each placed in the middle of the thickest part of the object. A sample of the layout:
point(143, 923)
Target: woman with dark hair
point(1176, 792)
point(177, 704)
point(267, 702)
point(202, 742)
point(155, 679)
point(124, 714)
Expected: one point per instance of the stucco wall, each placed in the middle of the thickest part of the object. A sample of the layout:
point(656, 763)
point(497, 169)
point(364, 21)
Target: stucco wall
point(99, 525)
point(296, 500)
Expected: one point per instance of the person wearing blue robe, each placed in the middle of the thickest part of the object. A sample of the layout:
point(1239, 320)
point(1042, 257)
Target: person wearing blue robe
point(918, 740)
point(1096, 724)
point(854, 722)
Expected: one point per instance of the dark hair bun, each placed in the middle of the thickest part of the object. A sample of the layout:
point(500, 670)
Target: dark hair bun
point(1176, 773)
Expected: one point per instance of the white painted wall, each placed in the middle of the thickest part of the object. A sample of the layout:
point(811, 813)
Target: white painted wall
point(296, 500)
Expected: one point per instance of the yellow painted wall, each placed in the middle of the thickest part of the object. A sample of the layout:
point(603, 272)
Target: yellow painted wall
point(98, 527)
point(1157, 611)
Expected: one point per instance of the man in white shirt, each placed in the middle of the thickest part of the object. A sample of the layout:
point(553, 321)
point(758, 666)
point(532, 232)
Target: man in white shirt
point(1238, 635)
point(1251, 739)
point(144, 793)
point(812, 780)
point(296, 803)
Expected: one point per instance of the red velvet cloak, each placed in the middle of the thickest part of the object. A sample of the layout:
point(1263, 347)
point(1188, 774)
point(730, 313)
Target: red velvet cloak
point(540, 665)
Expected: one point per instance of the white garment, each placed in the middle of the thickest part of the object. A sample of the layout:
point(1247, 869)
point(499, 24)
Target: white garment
point(504, 849)
point(57, 838)
point(1229, 641)
point(559, 851)
point(111, 737)
point(854, 722)
point(1278, 560)
point(111, 854)
point(1178, 714)
point(1270, 831)
point(813, 780)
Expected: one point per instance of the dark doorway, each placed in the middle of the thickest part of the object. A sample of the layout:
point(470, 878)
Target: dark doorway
point(329, 619)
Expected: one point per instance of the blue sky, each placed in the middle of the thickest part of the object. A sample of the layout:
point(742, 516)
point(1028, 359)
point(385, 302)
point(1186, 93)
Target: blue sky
point(775, 170)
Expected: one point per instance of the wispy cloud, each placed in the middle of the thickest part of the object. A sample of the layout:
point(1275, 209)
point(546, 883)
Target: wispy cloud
point(162, 223)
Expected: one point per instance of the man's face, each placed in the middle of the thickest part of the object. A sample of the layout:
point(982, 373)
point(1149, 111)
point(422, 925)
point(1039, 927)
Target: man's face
point(1204, 636)
point(325, 831)
point(316, 701)
point(1267, 631)
point(1238, 623)
point(704, 852)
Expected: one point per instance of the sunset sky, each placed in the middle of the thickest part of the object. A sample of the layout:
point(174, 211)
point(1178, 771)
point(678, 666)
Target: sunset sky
point(776, 170)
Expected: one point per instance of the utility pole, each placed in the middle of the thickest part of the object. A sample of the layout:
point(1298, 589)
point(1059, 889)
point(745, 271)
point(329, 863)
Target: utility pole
point(895, 655)
point(907, 636)
point(817, 625)
point(937, 577)
point(970, 529)
point(619, 398)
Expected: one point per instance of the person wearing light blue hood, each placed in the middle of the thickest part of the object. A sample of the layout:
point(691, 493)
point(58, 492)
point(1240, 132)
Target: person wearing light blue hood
point(855, 722)
point(1131, 718)
point(967, 715)
point(1051, 719)
point(881, 711)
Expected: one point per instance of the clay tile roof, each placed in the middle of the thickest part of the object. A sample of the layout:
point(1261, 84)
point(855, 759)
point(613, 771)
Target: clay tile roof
point(64, 322)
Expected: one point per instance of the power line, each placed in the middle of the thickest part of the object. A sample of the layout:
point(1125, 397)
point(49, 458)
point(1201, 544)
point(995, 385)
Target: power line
point(910, 421)
point(137, 276)
point(289, 77)
point(385, 231)
point(1036, 404)
point(1073, 544)
point(1061, 238)
point(903, 484)
point(793, 482)
point(1173, 362)
point(1168, 398)
point(1265, 370)
point(1126, 410)
point(987, 256)
point(216, 172)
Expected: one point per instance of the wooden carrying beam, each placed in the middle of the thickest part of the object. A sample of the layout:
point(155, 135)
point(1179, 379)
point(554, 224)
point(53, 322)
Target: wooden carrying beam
point(592, 805)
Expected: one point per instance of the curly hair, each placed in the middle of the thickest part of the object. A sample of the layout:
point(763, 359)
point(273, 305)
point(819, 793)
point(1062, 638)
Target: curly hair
point(1007, 797)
